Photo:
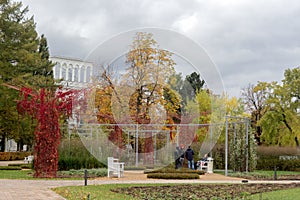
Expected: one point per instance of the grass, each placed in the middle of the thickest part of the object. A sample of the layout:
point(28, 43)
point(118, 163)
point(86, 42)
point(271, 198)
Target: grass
point(98, 192)
point(261, 174)
point(63, 175)
point(290, 194)
point(16, 174)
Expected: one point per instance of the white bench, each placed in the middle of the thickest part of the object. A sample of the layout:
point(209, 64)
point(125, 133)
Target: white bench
point(207, 165)
point(202, 165)
point(28, 159)
point(114, 167)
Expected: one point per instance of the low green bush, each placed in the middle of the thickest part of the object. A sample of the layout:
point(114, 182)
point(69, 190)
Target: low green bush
point(175, 171)
point(173, 175)
point(283, 165)
point(14, 164)
point(26, 166)
point(10, 168)
point(134, 168)
point(22, 166)
point(284, 158)
point(100, 172)
point(8, 156)
point(66, 163)
point(74, 155)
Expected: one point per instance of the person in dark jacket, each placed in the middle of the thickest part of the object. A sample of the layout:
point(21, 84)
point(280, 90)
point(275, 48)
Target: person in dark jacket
point(189, 154)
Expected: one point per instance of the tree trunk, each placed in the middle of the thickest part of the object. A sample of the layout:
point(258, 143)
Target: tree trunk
point(297, 141)
point(2, 144)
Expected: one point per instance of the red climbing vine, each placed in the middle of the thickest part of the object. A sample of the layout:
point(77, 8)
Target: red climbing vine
point(46, 107)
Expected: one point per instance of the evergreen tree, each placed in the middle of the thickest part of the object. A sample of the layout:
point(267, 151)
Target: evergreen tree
point(23, 62)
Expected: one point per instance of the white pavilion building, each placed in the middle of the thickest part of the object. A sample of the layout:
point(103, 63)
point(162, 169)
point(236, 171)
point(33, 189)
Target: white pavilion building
point(74, 73)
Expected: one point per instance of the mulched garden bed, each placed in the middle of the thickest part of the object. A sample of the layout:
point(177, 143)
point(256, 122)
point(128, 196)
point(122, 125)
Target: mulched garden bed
point(201, 191)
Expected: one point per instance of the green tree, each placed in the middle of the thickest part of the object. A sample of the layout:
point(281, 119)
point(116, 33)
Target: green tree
point(291, 82)
point(192, 84)
point(23, 62)
point(187, 88)
point(207, 107)
point(280, 123)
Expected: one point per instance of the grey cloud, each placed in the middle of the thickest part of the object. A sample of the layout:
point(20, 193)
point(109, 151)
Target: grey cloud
point(249, 41)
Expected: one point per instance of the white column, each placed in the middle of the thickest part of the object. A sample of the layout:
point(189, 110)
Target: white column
point(54, 71)
point(84, 77)
point(91, 73)
point(60, 72)
point(78, 73)
point(73, 73)
point(67, 73)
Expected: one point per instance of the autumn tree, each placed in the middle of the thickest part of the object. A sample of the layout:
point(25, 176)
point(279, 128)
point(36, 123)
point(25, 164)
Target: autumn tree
point(254, 97)
point(207, 107)
point(141, 93)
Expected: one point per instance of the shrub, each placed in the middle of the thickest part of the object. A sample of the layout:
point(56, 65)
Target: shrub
point(6, 156)
point(269, 157)
point(74, 155)
point(173, 175)
point(22, 166)
point(26, 166)
point(175, 171)
point(276, 151)
point(101, 172)
point(219, 156)
point(14, 164)
point(134, 168)
point(10, 168)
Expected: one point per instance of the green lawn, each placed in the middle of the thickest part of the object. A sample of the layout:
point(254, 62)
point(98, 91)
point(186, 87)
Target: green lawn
point(260, 174)
point(95, 191)
point(69, 175)
point(16, 174)
point(290, 194)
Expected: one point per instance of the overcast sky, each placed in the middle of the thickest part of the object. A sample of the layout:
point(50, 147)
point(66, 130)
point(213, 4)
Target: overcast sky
point(248, 40)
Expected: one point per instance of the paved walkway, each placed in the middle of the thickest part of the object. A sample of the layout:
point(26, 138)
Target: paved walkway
point(41, 189)
point(5, 163)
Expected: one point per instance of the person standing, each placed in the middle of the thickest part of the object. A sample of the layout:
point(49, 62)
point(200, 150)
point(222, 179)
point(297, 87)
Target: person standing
point(189, 154)
point(181, 152)
point(177, 157)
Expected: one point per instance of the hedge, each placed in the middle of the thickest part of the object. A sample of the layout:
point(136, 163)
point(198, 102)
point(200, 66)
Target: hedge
point(10, 168)
point(271, 156)
point(22, 166)
point(74, 155)
point(175, 171)
point(173, 175)
point(8, 156)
